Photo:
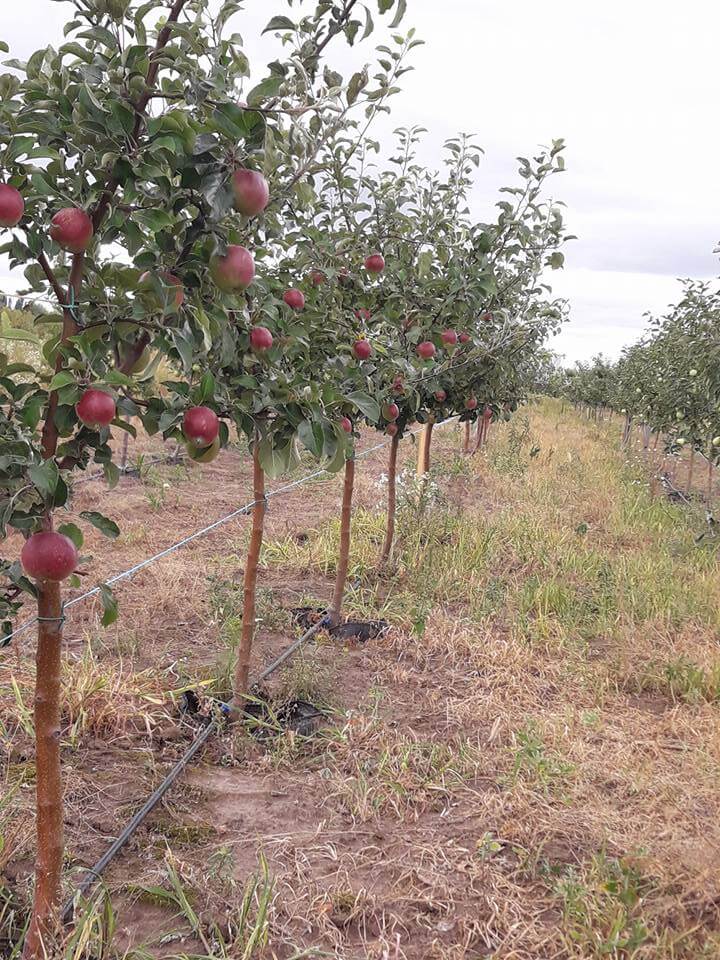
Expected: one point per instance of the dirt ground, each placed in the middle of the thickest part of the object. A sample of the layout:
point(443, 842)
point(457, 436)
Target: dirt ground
point(525, 766)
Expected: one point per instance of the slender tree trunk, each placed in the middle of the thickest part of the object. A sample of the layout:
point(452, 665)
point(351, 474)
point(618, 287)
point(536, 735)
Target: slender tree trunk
point(344, 556)
point(479, 434)
point(484, 432)
point(709, 482)
point(391, 500)
point(124, 453)
point(242, 665)
point(48, 779)
point(423, 461)
point(466, 438)
point(691, 470)
point(428, 441)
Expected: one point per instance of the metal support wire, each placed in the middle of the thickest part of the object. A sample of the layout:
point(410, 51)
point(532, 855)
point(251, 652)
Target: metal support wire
point(95, 872)
point(201, 533)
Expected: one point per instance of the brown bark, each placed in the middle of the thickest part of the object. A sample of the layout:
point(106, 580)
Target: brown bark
point(479, 433)
point(48, 781)
point(466, 437)
point(427, 432)
point(391, 500)
point(691, 470)
point(709, 482)
point(242, 664)
point(344, 555)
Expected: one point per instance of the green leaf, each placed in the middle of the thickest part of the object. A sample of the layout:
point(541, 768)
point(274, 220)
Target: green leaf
point(110, 607)
point(45, 477)
point(273, 460)
point(266, 88)
point(74, 532)
point(106, 526)
point(62, 379)
point(207, 387)
point(311, 436)
point(365, 404)
point(279, 23)
point(401, 8)
point(8, 333)
point(112, 474)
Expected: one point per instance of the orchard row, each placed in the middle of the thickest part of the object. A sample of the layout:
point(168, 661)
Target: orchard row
point(669, 381)
point(231, 254)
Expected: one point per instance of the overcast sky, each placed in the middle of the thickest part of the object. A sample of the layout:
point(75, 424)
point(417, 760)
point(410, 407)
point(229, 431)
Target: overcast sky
point(632, 86)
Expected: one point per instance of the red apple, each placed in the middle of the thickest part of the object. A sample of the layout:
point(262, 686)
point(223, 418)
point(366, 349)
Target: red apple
point(12, 205)
point(361, 349)
point(200, 426)
point(95, 408)
point(486, 317)
point(294, 298)
point(233, 271)
point(203, 454)
point(49, 556)
point(391, 411)
point(391, 429)
point(346, 424)
point(449, 338)
point(375, 263)
point(174, 294)
point(260, 338)
point(251, 192)
point(464, 338)
point(440, 396)
point(317, 278)
point(72, 229)
point(487, 412)
point(426, 349)
point(471, 403)
point(362, 313)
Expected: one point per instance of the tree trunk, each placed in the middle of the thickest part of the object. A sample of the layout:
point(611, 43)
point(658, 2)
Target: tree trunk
point(423, 461)
point(48, 779)
point(391, 500)
point(242, 665)
point(124, 453)
point(466, 437)
point(344, 556)
point(691, 470)
point(426, 458)
point(479, 433)
point(709, 482)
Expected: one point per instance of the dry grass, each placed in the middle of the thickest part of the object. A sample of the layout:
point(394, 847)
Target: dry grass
point(527, 766)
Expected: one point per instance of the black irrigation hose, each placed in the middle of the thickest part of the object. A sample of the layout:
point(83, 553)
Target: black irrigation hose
point(94, 873)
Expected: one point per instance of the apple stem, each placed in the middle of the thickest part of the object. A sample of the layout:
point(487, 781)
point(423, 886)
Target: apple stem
point(242, 665)
point(391, 500)
point(344, 556)
point(48, 779)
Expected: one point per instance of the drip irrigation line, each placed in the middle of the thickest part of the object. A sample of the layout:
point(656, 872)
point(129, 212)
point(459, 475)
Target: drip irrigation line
point(94, 873)
point(240, 511)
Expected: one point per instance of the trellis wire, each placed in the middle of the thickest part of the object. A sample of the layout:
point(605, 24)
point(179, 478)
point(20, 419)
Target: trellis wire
point(240, 511)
